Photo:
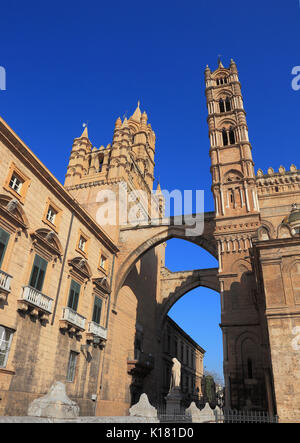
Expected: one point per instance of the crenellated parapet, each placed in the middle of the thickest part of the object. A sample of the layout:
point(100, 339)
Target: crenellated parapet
point(273, 183)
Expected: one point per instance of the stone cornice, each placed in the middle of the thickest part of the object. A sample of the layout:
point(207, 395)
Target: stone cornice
point(276, 243)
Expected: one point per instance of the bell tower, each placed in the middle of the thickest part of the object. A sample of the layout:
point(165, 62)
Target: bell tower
point(232, 167)
point(237, 220)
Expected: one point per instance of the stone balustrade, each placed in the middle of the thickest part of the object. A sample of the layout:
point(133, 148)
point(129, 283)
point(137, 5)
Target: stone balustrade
point(97, 330)
point(72, 317)
point(5, 280)
point(36, 298)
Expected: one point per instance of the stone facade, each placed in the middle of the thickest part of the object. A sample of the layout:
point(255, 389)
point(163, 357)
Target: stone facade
point(86, 303)
point(178, 344)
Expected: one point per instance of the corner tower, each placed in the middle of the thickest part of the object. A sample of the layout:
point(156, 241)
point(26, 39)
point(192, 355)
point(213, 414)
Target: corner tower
point(127, 160)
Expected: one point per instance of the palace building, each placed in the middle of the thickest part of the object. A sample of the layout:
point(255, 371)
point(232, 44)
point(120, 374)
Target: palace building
point(87, 303)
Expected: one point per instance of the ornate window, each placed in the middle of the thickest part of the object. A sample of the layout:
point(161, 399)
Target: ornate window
point(231, 136)
point(222, 105)
point(103, 262)
point(228, 136)
point(101, 161)
point(225, 137)
point(227, 104)
point(16, 183)
point(222, 81)
point(52, 215)
point(82, 243)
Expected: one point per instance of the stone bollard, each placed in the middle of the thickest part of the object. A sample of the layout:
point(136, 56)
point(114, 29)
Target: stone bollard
point(55, 404)
point(206, 415)
point(194, 413)
point(219, 415)
point(143, 408)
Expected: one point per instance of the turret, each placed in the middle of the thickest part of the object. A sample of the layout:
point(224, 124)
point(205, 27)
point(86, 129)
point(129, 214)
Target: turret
point(78, 163)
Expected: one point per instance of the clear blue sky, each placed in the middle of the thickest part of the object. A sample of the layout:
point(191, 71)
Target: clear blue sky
point(69, 62)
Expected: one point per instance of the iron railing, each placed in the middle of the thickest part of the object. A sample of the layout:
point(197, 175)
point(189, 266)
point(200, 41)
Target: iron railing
point(179, 416)
point(234, 416)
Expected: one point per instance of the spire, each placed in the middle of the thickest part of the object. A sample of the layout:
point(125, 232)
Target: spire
point(85, 131)
point(158, 190)
point(118, 123)
point(233, 66)
point(125, 123)
point(137, 113)
point(220, 64)
point(207, 73)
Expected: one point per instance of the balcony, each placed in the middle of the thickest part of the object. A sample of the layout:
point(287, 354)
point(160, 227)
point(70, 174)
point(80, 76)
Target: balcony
point(35, 302)
point(5, 280)
point(72, 321)
point(96, 330)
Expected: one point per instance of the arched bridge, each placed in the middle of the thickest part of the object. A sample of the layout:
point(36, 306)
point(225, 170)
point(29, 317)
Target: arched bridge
point(176, 284)
point(135, 241)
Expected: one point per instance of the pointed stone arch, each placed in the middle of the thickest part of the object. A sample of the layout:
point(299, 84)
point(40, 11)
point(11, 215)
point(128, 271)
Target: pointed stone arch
point(136, 241)
point(177, 284)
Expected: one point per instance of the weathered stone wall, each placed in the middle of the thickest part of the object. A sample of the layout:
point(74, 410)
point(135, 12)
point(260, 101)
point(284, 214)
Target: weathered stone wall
point(39, 350)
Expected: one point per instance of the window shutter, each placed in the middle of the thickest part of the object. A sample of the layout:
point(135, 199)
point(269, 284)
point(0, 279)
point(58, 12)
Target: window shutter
point(38, 273)
point(4, 237)
point(74, 295)
point(97, 310)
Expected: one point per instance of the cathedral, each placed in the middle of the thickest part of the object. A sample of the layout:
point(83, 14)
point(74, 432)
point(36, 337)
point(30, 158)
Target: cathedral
point(87, 303)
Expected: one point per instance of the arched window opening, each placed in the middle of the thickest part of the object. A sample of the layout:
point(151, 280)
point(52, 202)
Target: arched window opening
point(225, 137)
point(222, 105)
point(101, 160)
point(231, 136)
point(228, 104)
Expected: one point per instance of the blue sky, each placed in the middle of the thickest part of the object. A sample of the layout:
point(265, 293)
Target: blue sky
point(69, 62)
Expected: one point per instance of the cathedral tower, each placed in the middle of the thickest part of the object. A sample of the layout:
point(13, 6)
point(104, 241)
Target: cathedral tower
point(232, 167)
point(237, 218)
point(128, 162)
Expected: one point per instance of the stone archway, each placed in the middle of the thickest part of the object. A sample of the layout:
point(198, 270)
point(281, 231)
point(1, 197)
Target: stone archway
point(134, 242)
point(175, 285)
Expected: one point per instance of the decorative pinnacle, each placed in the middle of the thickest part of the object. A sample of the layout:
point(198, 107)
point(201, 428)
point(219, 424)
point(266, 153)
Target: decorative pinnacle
point(85, 131)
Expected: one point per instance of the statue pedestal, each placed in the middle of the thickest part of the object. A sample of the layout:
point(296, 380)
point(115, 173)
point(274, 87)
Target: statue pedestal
point(173, 402)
